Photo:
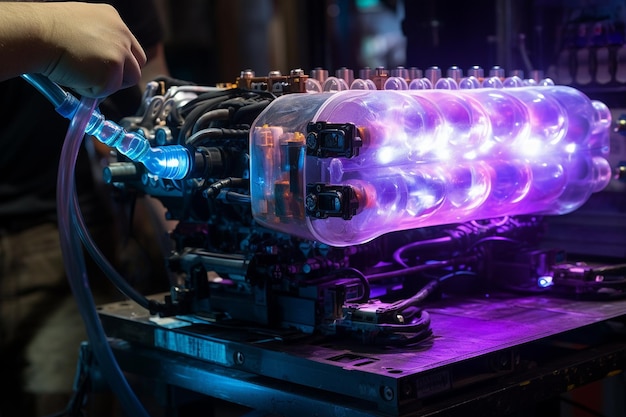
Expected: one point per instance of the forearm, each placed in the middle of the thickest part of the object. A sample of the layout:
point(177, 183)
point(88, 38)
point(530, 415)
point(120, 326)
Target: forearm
point(83, 46)
point(22, 41)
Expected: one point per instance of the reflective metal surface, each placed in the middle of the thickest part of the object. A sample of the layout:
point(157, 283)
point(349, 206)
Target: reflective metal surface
point(477, 342)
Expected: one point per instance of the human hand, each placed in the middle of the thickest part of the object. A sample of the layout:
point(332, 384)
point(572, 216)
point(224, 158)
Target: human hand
point(92, 50)
point(83, 46)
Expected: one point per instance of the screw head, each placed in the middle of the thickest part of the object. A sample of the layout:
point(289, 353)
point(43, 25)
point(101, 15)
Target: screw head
point(387, 393)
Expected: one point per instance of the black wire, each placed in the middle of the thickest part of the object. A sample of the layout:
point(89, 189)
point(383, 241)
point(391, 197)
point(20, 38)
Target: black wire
point(418, 298)
point(397, 255)
point(232, 92)
point(206, 118)
point(214, 189)
point(492, 239)
point(409, 309)
point(216, 133)
point(237, 198)
point(193, 110)
point(349, 270)
point(420, 268)
point(205, 97)
point(396, 334)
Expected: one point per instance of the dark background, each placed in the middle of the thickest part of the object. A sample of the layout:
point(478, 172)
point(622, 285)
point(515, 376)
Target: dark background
point(212, 41)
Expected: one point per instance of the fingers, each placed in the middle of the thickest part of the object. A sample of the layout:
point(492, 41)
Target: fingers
point(122, 76)
point(138, 52)
point(95, 58)
point(133, 65)
point(105, 77)
point(125, 75)
point(109, 81)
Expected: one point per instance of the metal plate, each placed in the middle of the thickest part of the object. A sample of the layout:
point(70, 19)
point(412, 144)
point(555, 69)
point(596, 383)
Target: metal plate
point(475, 339)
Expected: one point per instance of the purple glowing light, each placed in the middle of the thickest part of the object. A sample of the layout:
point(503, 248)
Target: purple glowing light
point(433, 157)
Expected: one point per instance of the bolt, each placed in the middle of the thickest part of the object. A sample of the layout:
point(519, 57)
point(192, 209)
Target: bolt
point(311, 140)
point(387, 393)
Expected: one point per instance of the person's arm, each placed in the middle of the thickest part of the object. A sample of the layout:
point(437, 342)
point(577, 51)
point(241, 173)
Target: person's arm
point(86, 47)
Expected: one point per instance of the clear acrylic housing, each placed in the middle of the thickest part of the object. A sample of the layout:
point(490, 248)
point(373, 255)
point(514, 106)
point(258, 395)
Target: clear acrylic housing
point(429, 157)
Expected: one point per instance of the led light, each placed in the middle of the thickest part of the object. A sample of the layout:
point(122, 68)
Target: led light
point(172, 162)
point(545, 281)
point(426, 157)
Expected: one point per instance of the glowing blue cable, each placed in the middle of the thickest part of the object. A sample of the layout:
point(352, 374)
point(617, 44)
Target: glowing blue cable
point(173, 161)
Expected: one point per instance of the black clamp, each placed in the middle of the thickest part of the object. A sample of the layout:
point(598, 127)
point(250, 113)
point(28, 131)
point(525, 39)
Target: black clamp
point(329, 140)
point(323, 201)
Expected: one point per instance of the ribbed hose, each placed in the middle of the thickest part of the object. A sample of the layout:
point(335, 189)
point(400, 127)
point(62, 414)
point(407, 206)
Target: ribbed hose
point(172, 162)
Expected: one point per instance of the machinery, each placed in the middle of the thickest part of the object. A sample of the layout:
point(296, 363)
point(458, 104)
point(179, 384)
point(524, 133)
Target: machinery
point(382, 242)
point(327, 206)
point(371, 240)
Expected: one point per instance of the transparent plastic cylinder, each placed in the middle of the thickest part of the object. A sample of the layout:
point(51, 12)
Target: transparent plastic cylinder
point(430, 157)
